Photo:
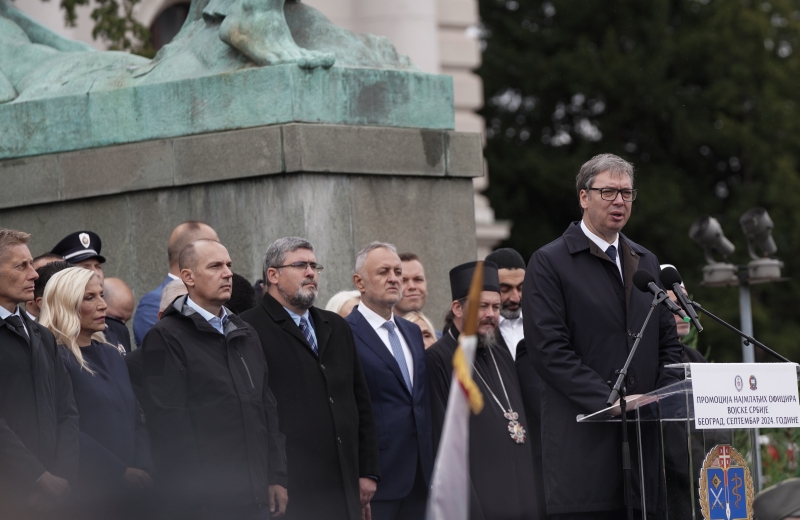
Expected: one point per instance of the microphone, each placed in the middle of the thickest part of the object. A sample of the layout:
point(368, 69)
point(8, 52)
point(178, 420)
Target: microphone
point(646, 282)
point(670, 278)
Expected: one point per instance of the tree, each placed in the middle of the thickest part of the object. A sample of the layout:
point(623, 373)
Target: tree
point(701, 95)
point(115, 25)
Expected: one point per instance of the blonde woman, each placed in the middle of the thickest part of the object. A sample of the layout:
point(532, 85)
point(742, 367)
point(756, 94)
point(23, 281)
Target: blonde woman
point(425, 325)
point(114, 447)
point(342, 303)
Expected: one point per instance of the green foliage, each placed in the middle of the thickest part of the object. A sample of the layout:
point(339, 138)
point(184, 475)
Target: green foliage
point(701, 95)
point(115, 25)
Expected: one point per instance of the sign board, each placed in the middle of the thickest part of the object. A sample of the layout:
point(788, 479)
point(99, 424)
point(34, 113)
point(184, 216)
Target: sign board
point(745, 395)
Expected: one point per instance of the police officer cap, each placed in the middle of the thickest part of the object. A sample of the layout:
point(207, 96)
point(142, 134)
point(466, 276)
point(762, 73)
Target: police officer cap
point(779, 501)
point(79, 246)
point(461, 279)
point(506, 258)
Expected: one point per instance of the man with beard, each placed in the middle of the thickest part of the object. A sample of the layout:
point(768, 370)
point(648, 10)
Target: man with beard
point(511, 271)
point(500, 459)
point(393, 356)
point(323, 401)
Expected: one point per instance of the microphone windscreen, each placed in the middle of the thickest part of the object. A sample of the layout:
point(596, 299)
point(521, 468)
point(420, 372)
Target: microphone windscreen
point(642, 278)
point(669, 276)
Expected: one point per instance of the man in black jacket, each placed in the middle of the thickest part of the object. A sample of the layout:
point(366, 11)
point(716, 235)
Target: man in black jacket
point(212, 418)
point(323, 400)
point(580, 313)
point(38, 419)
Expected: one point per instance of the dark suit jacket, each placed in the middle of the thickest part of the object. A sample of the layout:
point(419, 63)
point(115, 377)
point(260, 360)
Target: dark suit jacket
point(403, 420)
point(324, 410)
point(38, 417)
point(579, 323)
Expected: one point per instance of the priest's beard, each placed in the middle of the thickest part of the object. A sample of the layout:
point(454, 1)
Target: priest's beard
point(510, 310)
point(487, 339)
point(305, 296)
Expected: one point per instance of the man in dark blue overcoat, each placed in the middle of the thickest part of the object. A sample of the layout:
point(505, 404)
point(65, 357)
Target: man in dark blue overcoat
point(581, 312)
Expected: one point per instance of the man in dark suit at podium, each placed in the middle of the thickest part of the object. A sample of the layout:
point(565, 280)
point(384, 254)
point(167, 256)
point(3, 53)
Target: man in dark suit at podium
point(393, 357)
point(581, 312)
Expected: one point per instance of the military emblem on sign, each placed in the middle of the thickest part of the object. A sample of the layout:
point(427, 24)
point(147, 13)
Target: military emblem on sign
point(739, 384)
point(726, 487)
point(85, 240)
point(753, 385)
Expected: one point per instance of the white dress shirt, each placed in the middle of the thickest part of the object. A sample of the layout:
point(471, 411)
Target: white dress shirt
point(603, 245)
point(5, 314)
point(377, 321)
point(214, 321)
point(512, 333)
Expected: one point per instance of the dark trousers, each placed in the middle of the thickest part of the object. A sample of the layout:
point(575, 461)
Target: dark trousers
point(602, 515)
point(412, 507)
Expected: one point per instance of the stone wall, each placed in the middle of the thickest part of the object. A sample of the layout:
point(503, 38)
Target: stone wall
point(339, 186)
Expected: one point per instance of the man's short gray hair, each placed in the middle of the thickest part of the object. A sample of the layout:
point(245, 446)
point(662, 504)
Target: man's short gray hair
point(361, 257)
point(277, 251)
point(597, 165)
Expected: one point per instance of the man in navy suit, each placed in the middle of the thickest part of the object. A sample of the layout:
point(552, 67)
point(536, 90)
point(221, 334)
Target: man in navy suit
point(147, 311)
point(393, 357)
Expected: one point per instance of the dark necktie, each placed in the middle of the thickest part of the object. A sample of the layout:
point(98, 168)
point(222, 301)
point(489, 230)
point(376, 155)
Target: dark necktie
point(305, 328)
point(16, 325)
point(612, 253)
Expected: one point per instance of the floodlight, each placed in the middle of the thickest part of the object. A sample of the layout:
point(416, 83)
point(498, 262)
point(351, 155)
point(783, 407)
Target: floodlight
point(757, 227)
point(707, 232)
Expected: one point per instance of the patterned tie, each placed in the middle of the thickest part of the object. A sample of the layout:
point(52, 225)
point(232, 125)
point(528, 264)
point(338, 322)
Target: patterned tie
point(16, 323)
point(397, 350)
point(305, 328)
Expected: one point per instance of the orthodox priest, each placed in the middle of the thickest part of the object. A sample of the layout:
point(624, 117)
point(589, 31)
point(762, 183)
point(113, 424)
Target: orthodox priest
point(501, 465)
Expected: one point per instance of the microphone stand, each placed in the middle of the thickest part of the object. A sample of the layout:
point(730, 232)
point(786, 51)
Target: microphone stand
point(747, 339)
point(618, 391)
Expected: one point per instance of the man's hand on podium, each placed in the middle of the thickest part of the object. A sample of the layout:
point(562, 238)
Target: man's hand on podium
point(632, 402)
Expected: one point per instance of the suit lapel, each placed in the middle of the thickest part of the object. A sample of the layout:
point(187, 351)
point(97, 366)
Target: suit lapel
point(417, 348)
point(278, 314)
point(374, 342)
point(630, 263)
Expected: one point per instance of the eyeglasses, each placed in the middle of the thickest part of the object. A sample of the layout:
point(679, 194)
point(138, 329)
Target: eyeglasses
point(611, 194)
point(302, 266)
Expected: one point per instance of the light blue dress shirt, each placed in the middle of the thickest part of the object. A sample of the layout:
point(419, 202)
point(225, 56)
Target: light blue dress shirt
point(214, 321)
point(307, 316)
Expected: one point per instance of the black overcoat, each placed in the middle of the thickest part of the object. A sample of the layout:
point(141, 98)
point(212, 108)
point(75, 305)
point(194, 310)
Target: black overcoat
point(324, 408)
point(501, 471)
point(212, 418)
point(38, 417)
point(579, 324)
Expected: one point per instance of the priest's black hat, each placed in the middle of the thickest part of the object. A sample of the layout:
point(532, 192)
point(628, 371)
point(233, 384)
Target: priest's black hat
point(79, 246)
point(779, 501)
point(461, 279)
point(506, 258)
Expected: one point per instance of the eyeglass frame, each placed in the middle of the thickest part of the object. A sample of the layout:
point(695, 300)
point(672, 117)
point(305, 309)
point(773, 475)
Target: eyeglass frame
point(618, 191)
point(304, 265)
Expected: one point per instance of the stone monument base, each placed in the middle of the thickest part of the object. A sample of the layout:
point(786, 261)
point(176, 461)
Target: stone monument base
point(339, 186)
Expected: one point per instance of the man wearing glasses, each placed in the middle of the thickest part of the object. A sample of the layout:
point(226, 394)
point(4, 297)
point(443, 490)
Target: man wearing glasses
point(324, 405)
point(580, 314)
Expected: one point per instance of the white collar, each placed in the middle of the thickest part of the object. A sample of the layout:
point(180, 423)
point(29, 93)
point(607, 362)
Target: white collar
point(600, 242)
point(5, 314)
point(373, 318)
point(172, 276)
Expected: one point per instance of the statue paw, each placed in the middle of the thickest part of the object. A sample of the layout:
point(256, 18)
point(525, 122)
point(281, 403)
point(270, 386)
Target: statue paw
point(269, 43)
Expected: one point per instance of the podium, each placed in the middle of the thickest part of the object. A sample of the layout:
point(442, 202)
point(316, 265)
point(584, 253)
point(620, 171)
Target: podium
point(686, 449)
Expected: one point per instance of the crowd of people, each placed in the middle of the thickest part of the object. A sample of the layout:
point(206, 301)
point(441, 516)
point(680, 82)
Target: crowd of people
point(247, 401)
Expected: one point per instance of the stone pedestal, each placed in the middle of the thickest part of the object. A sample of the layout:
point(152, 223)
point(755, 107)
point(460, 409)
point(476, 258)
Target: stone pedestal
point(339, 186)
